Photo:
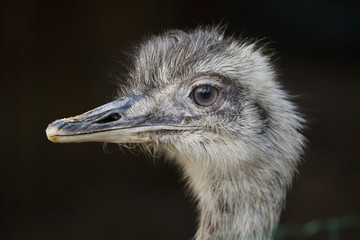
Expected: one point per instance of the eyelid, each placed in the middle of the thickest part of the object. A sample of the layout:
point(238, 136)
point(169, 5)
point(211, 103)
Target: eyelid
point(204, 82)
point(216, 81)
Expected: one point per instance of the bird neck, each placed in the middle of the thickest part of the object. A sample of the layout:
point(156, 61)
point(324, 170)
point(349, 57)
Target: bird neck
point(241, 204)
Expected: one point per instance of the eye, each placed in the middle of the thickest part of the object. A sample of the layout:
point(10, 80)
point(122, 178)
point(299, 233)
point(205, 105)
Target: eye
point(205, 95)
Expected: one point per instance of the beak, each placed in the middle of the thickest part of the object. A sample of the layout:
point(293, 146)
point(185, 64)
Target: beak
point(115, 122)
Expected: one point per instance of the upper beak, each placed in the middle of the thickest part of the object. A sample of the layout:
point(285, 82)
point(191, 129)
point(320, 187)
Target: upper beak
point(112, 122)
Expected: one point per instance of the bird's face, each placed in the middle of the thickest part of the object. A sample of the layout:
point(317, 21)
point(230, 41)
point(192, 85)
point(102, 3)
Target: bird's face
point(185, 93)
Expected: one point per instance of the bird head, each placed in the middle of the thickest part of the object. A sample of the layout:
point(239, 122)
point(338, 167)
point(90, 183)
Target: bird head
point(194, 95)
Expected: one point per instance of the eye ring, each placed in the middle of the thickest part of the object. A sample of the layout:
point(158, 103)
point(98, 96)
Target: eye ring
point(205, 95)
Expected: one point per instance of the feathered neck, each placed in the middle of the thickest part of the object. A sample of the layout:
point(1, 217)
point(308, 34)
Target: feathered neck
point(243, 203)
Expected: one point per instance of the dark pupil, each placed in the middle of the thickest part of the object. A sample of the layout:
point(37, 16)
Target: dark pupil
point(204, 92)
point(205, 95)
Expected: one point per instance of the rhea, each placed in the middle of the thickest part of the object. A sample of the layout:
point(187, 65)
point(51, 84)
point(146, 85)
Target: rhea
point(213, 105)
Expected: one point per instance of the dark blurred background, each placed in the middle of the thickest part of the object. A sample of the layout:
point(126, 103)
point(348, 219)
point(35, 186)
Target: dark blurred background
point(55, 58)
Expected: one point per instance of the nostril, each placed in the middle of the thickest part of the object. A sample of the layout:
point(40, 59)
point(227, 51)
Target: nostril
point(110, 118)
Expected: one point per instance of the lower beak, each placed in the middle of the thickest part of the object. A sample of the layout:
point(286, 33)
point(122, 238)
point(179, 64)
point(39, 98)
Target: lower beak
point(110, 123)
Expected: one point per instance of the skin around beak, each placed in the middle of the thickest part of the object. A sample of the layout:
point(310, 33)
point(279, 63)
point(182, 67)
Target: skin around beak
point(114, 122)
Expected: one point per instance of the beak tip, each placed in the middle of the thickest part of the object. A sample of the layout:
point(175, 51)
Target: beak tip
point(53, 139)
point(51, 133)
